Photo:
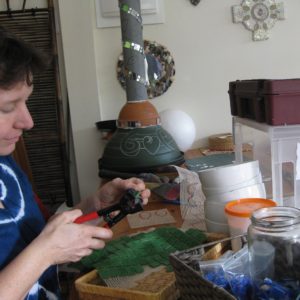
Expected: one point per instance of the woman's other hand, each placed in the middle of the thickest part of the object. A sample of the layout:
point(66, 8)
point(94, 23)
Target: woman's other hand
point(64, 241)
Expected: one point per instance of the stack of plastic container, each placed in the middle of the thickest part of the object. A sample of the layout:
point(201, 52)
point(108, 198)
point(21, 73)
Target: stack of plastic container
point(227, 183)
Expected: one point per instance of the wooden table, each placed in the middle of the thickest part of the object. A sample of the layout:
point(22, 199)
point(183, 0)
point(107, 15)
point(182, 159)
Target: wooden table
point(122, 228)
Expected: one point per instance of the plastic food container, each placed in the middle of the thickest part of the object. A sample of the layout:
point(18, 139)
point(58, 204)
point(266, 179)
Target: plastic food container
point(239, 212)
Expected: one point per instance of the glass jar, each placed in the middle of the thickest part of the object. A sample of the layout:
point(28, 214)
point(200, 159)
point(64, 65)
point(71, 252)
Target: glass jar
point(274, 253)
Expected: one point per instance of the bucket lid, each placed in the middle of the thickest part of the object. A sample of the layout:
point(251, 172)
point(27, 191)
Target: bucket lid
point(245, 207)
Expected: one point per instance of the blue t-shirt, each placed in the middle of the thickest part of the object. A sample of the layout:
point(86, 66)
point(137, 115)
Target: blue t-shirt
point(20, 222)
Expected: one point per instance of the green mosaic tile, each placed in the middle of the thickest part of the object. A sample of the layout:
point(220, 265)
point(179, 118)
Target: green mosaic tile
point(128, 255)
point(154, 264)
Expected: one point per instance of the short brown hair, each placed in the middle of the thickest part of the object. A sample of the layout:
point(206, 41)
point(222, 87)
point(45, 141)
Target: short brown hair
point(19, 61)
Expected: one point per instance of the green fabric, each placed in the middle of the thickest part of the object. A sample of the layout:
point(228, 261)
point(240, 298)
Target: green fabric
point(128, 255)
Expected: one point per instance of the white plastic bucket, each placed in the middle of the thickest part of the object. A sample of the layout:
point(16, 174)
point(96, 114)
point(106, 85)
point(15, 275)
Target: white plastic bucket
point(229, 175)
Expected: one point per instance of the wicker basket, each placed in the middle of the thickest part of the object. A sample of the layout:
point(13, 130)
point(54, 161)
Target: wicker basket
point(221, 142)
point(191, 284)
point(158, 286)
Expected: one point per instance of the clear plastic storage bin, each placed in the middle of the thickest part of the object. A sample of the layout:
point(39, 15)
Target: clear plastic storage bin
point(275, 147)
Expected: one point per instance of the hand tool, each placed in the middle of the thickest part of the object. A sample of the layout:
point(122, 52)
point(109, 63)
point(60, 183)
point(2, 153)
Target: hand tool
point(130, 203)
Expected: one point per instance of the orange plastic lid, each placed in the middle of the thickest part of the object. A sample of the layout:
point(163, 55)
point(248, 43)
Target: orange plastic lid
point(245, 207)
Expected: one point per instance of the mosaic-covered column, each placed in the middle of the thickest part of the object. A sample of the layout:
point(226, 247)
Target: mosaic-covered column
point(133, 50)
point(140, 144)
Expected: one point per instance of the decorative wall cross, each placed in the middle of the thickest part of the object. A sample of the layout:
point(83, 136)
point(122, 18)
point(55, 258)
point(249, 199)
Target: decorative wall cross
point(258, 16)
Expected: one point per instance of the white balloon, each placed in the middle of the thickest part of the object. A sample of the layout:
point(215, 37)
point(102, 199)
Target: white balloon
point(180, 126)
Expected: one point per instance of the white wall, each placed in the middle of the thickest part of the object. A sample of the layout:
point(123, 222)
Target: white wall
point(76, 21)
point(209, 51)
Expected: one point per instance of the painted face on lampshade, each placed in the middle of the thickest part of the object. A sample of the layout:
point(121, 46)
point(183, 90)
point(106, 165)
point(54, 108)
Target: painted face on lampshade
point(14, 115)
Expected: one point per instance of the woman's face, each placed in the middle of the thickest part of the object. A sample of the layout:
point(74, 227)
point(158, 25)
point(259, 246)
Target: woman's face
point(14, 116)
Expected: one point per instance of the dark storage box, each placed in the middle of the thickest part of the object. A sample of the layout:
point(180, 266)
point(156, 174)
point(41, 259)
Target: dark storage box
point(276, 102)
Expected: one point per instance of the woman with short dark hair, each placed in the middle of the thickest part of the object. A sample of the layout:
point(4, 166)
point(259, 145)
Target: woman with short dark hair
point(30, 249)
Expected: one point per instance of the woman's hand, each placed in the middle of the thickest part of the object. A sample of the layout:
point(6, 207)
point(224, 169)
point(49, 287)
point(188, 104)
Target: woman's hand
point(111, 193)
point(63, 241)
